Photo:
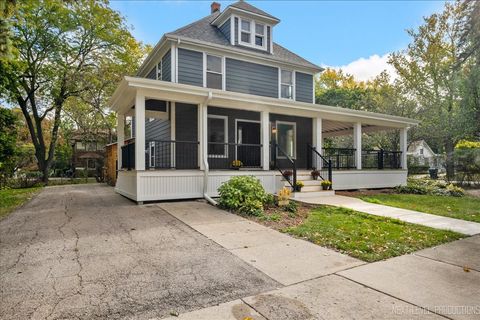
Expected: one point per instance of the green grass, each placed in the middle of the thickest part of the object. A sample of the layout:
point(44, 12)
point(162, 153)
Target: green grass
point(465, 208)
point(367, 237)
point(12, 198)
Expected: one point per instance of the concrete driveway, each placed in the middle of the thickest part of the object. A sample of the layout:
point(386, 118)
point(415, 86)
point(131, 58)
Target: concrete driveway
point(83, 252)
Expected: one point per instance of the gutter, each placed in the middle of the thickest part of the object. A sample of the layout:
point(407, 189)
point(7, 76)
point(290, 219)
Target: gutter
point(204, 154)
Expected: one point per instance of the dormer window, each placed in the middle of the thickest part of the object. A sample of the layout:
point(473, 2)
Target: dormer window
point(159, 70)
point(253, 34)
point(246, 34)
point(259, 34)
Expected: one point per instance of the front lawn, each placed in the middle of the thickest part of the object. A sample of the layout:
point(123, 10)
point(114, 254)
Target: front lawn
point(13, 198)
point(363, 236)
point(465, 208)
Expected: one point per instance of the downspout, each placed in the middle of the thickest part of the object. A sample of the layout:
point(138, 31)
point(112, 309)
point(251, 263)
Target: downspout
point(204, 154)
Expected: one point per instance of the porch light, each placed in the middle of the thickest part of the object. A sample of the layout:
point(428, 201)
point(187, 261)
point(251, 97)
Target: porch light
point(274, 130)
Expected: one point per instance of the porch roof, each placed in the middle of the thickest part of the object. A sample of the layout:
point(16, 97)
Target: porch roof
point(124, 97)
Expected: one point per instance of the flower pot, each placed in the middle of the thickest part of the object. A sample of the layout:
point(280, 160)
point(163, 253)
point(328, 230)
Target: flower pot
point(315, 177)
point(236, 168)
point(325, 187)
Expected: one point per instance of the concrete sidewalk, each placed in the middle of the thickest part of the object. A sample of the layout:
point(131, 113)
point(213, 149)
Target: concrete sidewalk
point(425, 219)
point(281, 257)
point(437, 283)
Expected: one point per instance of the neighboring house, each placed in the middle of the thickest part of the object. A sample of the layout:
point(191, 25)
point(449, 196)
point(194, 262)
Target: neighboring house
point(422, 154)
point(221, 89)
point(88, 154)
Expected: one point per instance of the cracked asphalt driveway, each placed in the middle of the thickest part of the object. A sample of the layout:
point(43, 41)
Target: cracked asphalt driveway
point(84, 252)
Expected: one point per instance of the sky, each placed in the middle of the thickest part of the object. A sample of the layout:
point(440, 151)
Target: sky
point(356, 36)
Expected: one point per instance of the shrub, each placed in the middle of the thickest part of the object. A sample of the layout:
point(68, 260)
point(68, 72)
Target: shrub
point(244, 194)
point(292, 207)
point(431, 187)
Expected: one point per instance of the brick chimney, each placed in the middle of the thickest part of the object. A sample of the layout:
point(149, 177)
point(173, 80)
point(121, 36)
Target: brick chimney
point(214, 7)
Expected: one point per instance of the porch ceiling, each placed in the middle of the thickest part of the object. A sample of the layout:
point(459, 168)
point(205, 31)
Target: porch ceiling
point(332, 128)
point(338, 120)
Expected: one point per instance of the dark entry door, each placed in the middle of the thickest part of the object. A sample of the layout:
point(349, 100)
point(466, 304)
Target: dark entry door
point(248, 143)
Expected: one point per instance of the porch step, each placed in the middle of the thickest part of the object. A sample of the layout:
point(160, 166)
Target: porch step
point(312, 194)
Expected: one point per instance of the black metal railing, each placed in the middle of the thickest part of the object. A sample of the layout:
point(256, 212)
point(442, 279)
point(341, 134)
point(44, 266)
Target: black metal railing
point(341, 158)
point(171, 154)
point(234, 155)
point(315, 161)
point(287, 167)
point(128, 156)
point(381, 159)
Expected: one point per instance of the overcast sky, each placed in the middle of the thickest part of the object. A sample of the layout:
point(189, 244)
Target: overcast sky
point(354, 35)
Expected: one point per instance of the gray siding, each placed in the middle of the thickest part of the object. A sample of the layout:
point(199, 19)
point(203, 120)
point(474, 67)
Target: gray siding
point(233, 114)
point(235, 29)
point(190, 67)
point(268, 40)
point(304, 136)
point(252, 78)
point(304, 87)
point(225, 29)
point(152, 74)
point(167, 67)
point(157, 130)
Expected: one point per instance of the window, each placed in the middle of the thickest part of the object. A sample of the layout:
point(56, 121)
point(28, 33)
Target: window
point(151, 154)
point(91, 163)
point(80, 145)
point(286, 138)
point(217, 136)
point(259, 34)
point(214, 72)
point(286, 84)
point(159, 70)
point(245, 33)
point(253, 34)
point(421, 151)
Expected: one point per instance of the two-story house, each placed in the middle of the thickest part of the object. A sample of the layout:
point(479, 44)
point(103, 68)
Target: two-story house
point(219, 97)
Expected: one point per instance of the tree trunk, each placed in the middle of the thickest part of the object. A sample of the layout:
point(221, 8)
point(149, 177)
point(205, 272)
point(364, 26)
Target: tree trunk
point(450, 164)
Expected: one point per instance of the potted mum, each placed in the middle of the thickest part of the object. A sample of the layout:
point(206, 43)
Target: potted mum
point(236, 164)
point(315, 174)
point(298, 186)
point(326, 184)
point(288, 174)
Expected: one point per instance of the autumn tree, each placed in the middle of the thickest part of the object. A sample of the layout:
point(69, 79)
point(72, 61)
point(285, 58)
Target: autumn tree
point(59, 51)
point(426, 68)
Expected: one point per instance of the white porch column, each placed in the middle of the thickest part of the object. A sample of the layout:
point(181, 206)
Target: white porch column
point(317, 139)
point(265, 136)
point(357, 144)
point(172, 133)
point(120, 137)
point(200, 133)
point(139, 132)
point(403, 147)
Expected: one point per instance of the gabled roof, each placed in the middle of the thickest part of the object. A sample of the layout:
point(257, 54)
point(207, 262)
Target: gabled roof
point(202, 30)
point(242, 5)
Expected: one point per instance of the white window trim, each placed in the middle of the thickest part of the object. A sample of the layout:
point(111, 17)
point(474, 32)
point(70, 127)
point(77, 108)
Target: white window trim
point(158, 69)
point(205, 71)
point(225, 152)
point(294, 124)
point(294, 98)
point(150, 156)
point(253, 33)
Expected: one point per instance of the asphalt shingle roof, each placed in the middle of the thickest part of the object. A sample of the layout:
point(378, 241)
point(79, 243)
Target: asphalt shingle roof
point(203, 30)
point(248, 7)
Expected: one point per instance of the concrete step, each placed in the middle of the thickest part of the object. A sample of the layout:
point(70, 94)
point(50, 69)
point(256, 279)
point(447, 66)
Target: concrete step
point(310, 188)
point(312, 194)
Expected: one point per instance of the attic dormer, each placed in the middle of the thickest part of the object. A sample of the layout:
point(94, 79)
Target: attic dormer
point(245, 25)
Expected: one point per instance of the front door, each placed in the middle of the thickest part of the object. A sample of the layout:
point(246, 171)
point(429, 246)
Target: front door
point(248, 149)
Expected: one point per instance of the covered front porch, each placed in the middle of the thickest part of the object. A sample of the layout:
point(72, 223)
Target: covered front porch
point(184, 141)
